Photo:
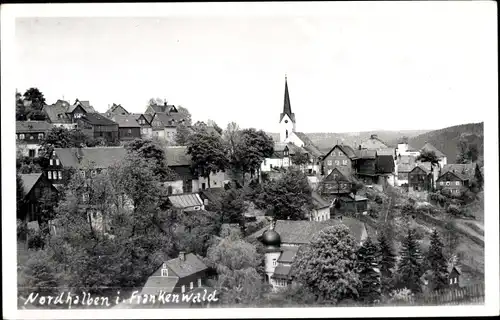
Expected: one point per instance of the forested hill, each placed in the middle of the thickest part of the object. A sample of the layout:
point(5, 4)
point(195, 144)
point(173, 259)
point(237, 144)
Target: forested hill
point(447, 139)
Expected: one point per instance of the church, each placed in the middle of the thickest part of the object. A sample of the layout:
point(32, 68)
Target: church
point(292, 142)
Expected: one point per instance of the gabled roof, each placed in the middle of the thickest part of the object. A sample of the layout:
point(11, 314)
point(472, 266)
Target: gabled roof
point(29, 181)
point(342, 177)
point(190, 265)
point(57, 111)
point(185, 200)
point(114, 107)
point(385, 164)
point(172, 119)
point(155, 284)
point(288, 254)
point(430, 147)
point(403, 167)
point(163, 108)
point(287, 108)
point(85, 104)
point(373, 143)
point(450, 269)
point(126, 121)
point(349, 152)
point(309, 146)
point(213, 194)
point(98, 157)
point(32, 126)
point(318, 201)
point(425, 166)
point(281, 271)
point(463, 171)
point(386, 152)
point(177, 156)
point(97, 119)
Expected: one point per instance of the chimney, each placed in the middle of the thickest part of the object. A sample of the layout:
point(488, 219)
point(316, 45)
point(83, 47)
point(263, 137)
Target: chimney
point(165, 102)
point(182, 256)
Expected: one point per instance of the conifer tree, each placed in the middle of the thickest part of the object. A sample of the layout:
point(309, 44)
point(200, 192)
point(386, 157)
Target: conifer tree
point(410, 265)
point(369, 272)
point(436, 262)
point(387, 262)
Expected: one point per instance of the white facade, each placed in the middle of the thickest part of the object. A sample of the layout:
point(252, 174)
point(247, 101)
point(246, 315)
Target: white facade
point(287, 127)
point(269, 163)
point(322, 214)
point(24, 149)
point(69, 126)
point(176, 186)
point(217, 180)
point(271, 261)
point(402, 150)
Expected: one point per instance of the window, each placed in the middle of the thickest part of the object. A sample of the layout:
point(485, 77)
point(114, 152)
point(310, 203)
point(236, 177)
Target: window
point(337, 162)
point(51, 162)
point(49, 175)
point(329, 171)
point(31, 153)
point(82, 173)
point(40, 136)
point(60, 175)
point(17, 136)
point(451, 281)
point(129, 131)
point(447, 183)
point(441, 183)
point(31, 137)
point(340, 154)
point(274, 262)
point(335, 176)
point(344, 162)
point(199, 282)
point(455, 280)
point(21, 136)
point(191, 286)
point(183, 288)
point(457, 183)
point(329, 162)
point(164, 272)
point(57, 162)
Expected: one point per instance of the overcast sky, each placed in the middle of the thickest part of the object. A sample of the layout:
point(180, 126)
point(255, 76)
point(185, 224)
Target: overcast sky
point(362, 67)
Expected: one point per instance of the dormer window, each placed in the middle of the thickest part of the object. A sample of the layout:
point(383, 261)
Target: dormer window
point(164, 271)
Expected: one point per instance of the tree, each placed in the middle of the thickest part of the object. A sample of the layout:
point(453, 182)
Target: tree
point(410, 265)
point(195, 231)
point(186, 115)
point(235, 261)
point(300, 158)
point(215, 126)
point(387, 261)
point(20, 108)
point(208, 154)
point(232, 206)
point(478, 177)
point(33, 103)
point(231, 137)
point(437, 263)
point(182, 135)
point(327, 266)
point(428, 156)
point(468, 152)
point(252, 148)
point(369, 273)
point(19, 195)
point(451, 239)
point(152, 150)
point(288, 197)
point(38, 275)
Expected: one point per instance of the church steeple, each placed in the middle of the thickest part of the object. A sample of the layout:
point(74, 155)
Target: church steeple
point(287, 108)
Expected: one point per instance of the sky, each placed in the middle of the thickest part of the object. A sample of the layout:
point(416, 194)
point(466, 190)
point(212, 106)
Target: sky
point(352, 68)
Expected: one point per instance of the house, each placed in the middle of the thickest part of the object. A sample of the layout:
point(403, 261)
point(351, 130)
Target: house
point(180, 162)
point(186, 202)
point(128, 127)
point(29, 135)
point(36, 186)
point(286, 238)
point(211, 196)
point(336, 183)
point(116, 110)
point(386, 167)
point(454, 275)
point(455, 178)
point(374, 143)
point(144, 121)
point(351, 203)
point(62, 114)
point(279, 159)
point(366, 166)
point(341, 157)
point(160, 108)
point(321, 209)
point(404, 149)
point(87, 161)
point(95, 125)
point(420, 178)
point(164, 121)
point(442, 160)
point(403, 170)
point(179, 275)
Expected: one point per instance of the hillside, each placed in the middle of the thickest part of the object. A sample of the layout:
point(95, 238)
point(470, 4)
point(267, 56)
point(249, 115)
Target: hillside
point(326, 140)
point(447, 139)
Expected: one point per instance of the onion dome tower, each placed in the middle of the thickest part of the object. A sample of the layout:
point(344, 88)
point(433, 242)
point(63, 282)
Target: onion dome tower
point(272, 241)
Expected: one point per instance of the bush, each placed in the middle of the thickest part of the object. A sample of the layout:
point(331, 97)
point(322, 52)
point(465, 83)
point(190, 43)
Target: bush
point(378, 199)
point(35, 240)
point(454, 210)
point(401, 296)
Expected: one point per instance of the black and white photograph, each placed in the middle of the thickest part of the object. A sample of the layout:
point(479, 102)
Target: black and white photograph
point(249, 160)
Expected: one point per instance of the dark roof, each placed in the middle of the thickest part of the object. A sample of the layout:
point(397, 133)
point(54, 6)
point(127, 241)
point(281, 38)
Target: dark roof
point(430, 147)
point(343, 177)
point(385, 164)
point(288, 254)
point(114, 107)
point(163, 108)
point(85, 104)
point(287, 108)
point(32, 126)
point(349, 152)
point(148, 117)
point(97, 119)
point(366, 154)
point(57, 111)
point(463, 171)
point(403, 167)
point(213, 194)
point(185, 200)
point(167, 119)
point(155, 284)
point(308, 144)
point(425, 166)
point(281, 271)
point(126, 121)
point(318, 201)
point(177, 156)
point(29, 181)
point(450, 269)
point(101, 157)
point(190, 265)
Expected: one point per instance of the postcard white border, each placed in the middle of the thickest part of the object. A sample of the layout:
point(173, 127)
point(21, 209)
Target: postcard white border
point(488, 11)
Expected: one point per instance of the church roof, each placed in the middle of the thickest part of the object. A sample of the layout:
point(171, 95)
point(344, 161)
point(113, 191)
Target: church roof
point(287, 108)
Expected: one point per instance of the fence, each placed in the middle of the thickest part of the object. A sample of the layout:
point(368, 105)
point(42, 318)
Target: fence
point(473, 294)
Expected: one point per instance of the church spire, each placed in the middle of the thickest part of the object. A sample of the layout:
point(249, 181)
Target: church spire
point(287, 108)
